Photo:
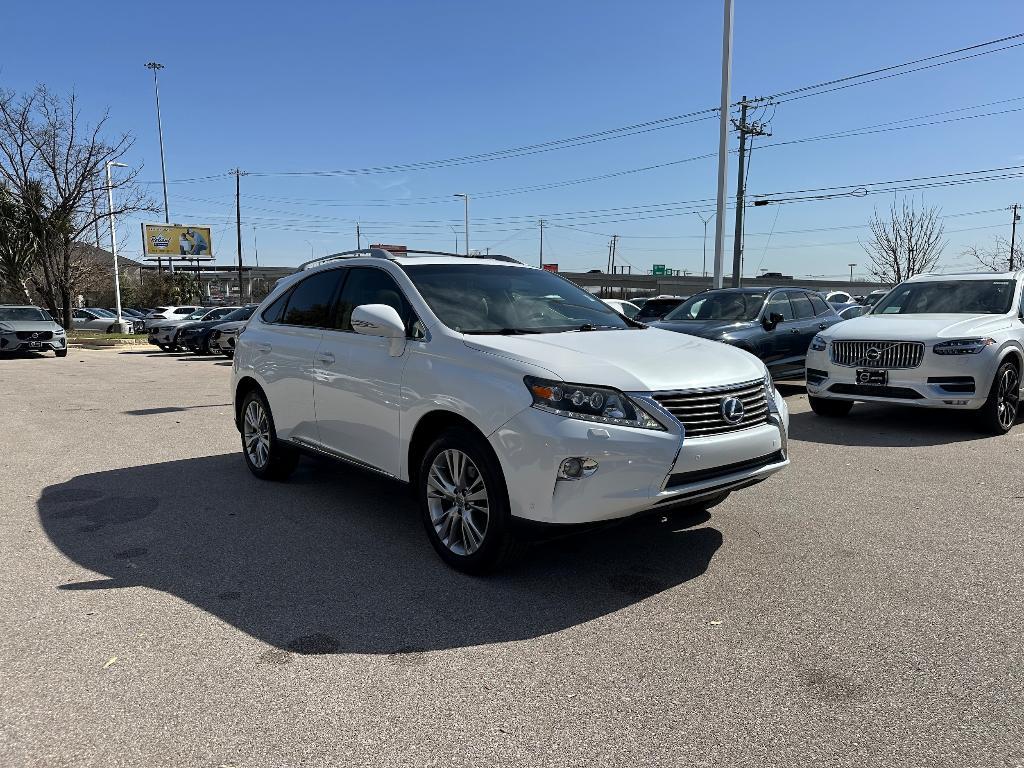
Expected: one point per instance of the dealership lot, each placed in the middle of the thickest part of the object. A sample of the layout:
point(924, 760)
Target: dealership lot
point(163, 607)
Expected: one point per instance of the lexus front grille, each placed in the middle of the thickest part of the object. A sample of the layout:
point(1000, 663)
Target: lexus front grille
point(878, 354)
point(701, 412)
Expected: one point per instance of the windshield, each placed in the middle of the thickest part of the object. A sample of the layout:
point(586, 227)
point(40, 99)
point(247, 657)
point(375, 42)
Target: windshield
point(961, 297)
point(100, 312)
point(473, 298)
point(657, 307)
point(719, 305)
point(197, 315)
point(242, 313)
point(22, 314)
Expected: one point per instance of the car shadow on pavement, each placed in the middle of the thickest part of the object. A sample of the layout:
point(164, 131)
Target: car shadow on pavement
point(336, 560)
point(881, 425)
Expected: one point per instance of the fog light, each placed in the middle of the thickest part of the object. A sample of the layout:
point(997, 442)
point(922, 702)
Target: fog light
point(576, 467)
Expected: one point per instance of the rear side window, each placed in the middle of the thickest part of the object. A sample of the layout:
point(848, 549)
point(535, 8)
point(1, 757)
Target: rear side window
point(801, 305)
point(311, 300)
point(367, 285)
point(820, 307)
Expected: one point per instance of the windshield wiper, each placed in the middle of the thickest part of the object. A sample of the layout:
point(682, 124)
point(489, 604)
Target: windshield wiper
point(592, 327)
point(504, 331)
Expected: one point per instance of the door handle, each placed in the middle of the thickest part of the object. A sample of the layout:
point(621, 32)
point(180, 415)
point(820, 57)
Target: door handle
point(263, 348)
point(325, 357)
point(822, 326)
point(794, 330)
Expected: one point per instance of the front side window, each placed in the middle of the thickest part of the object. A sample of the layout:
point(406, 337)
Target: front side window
point(719, 305)
point(242, 313)
point(472, 298)
point(275, 312)
point(779, 304)
point(960, 297)
point(310, 302)
point(368, 285)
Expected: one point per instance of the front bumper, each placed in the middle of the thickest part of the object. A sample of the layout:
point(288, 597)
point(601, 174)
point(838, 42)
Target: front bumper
point(638, 469)
point(959, 382)
point(9, 342)
point(161, 337)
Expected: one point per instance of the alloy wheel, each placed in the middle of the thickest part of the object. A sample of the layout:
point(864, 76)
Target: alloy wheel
point(458, 501)
point(256, 434)
point(1008, 397)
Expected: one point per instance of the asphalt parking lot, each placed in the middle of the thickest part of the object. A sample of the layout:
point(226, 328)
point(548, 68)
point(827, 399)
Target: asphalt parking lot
point(163, 607)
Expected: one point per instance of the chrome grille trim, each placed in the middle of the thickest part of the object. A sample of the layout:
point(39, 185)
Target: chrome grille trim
point(892, 354)
point(699, 411)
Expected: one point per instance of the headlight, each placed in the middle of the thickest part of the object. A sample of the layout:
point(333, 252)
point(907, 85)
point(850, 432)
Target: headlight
point(819, 343)
point(58, 331)
point(962, 346)
point(578, 401)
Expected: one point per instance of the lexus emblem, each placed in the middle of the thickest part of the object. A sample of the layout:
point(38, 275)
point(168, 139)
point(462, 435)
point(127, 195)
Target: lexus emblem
point(732, 410)
point(873, 354)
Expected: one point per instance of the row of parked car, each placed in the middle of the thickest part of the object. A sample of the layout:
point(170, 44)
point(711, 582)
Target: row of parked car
point(202, 330)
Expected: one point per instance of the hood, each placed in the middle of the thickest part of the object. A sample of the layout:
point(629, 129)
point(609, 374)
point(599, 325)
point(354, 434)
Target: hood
point(639, 360)
point(709, 329)
point(28, 325)
point(192, 326)
point(918, 327)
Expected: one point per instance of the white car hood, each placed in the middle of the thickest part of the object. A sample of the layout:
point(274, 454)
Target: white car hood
point(639, 360)
point(918, 327)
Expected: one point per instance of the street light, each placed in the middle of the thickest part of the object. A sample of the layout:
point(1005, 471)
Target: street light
point(113, 240)
point(705, 223)
point(456, 233)
point(465, 197)
point(155, 67)
point(310, 249)
point(851, 266)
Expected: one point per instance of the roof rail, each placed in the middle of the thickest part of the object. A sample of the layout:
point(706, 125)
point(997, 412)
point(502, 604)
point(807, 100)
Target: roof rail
point(381, 253)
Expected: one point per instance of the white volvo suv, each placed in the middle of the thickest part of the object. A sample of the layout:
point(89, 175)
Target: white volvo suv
point(934, 341)
point(499, 392)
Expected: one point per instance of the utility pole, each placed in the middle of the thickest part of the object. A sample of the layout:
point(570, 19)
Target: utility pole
point(615, 248)
point(359, 239)
point(542, 243)
point(745, 129)
point(238, 173)
point(723, 144)
point(113, 240)
point(155, 67)
point(851, 266)
point(465, 199)
point(1013, 233)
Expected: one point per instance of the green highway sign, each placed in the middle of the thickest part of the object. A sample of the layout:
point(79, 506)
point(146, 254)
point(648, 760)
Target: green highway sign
point(658, 269)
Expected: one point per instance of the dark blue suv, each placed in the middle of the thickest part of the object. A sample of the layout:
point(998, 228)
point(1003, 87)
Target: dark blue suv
point(776, 324)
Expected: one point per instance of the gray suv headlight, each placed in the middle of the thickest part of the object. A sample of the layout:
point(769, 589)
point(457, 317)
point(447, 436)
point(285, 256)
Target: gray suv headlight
point(582, 401)
point(962, 346)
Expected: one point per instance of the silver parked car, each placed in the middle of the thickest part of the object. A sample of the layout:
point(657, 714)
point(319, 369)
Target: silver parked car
point(99, 319)
point(26, 328)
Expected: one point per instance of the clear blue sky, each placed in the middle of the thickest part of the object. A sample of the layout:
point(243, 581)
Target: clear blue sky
point(328, 86)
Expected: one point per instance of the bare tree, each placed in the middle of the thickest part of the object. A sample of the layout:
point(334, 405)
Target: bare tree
point(995, 258)
point(53, 162)
point(905, 243)
point(18, 245)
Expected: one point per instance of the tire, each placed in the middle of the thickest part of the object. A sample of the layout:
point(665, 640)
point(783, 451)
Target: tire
point(829, 408)
point(110, 328)
point(463, 502)
point(165, 347)
point(999, 413)
point(266, 456)
point(61, 352)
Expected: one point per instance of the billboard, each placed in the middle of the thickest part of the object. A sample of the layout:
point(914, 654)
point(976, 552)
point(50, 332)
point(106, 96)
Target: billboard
point(177, 241)
point(549, 267)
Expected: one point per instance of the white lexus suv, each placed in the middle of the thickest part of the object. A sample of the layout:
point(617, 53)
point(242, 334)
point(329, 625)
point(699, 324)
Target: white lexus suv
point(934, 341)
point(500, 392)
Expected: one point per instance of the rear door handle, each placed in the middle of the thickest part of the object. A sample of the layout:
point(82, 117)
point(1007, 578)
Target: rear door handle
point(263, 348)
point(325, 357)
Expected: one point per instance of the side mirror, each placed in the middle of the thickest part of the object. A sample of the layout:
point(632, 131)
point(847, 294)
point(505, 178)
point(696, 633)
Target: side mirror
point(378, 320)
point(772, 320)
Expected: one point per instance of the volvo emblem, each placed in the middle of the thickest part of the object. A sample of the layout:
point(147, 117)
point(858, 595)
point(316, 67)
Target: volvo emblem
point(864, 377)
point(732, 410)
point(873, 353)
point(35, 335)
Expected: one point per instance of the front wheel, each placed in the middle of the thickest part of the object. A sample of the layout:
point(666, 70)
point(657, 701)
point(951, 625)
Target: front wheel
point(829, 408)
point(266, 456)
point(999, 413)
point(61, 352)
point(464, 502)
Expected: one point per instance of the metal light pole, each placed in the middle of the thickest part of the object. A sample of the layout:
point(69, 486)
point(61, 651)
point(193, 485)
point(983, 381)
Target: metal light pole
point(851, 266)
point(113, 239)
point(704, 221)
point(310, 249)
point(723, 144)
point(163, 167)
point(465, 197)
point(456, 233)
